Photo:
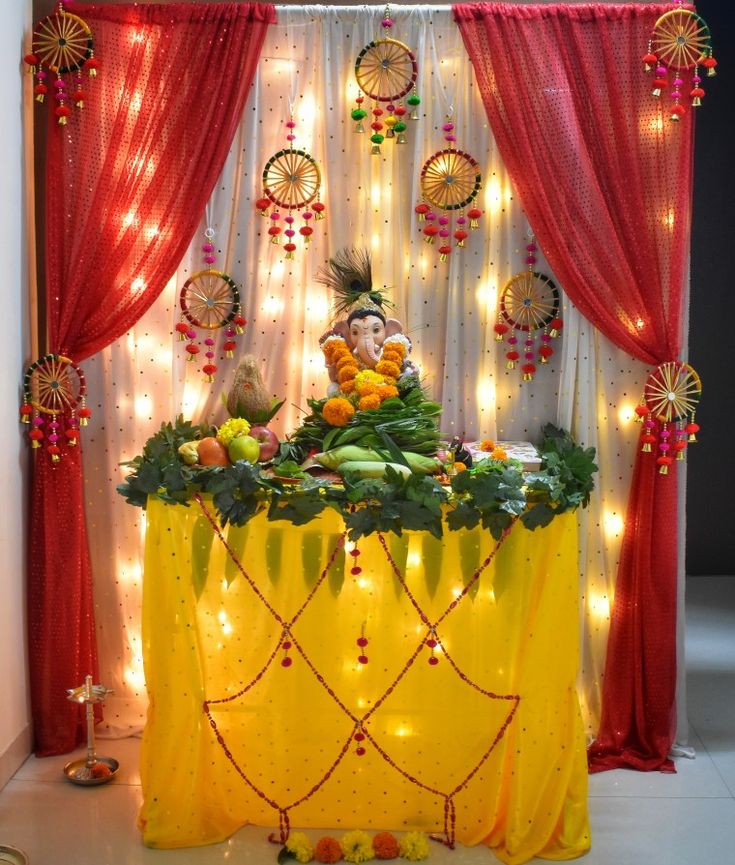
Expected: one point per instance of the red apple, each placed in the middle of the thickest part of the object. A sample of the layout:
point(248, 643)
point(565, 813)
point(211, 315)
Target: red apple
point(269, 442)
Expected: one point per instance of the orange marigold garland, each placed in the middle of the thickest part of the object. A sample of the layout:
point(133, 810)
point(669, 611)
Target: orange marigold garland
point(338, 411)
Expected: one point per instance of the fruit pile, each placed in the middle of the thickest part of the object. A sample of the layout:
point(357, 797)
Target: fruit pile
point(236, 440)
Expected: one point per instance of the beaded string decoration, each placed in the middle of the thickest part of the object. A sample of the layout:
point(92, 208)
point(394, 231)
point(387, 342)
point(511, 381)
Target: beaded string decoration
point(54, 391)
point(529, 307)
point(357, 731)
point(209, 301)
point(680, 43)
point(450, 181)
point(670, 397)
point(386, 70)
point(62, 44)
point(291, 182)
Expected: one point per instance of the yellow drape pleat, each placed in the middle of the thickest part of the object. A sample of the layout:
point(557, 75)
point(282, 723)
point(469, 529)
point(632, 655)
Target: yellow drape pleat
point(286, 732)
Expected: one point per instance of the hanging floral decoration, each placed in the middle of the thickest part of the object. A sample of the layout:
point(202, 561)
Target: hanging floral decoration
point(54, 406)
point(291, 182)
point(62, 45)
point(386, 71)
point(209, 301)
point(529, 306)
point(670, 398)
point(450, 181)
point(680, 44)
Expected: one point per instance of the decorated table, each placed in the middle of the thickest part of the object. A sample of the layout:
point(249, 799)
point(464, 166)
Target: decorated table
point(402, 682)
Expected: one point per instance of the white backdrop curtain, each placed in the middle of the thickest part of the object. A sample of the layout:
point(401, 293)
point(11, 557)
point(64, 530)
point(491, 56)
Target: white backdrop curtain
point(448, 310)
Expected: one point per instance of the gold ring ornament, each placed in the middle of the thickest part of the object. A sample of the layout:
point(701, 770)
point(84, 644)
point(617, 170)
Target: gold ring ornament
point(680, 44)
point(62, 46)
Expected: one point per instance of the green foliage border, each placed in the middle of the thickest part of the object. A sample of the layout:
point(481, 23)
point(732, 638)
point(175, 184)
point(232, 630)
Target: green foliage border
point(491, 495)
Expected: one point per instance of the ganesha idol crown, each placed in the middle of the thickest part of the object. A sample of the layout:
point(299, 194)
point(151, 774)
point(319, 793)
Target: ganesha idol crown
point(365, 351)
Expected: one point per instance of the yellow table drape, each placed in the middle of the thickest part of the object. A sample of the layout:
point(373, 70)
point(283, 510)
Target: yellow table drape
point(264, 707)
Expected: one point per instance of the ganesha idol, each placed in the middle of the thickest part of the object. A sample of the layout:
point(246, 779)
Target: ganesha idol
point(366, 352)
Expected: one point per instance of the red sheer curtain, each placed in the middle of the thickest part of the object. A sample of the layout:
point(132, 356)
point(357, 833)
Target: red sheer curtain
point(127, 182)
point(605, 179)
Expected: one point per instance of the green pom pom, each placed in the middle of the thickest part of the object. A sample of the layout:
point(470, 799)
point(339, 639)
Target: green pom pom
point(413, 99)
point(400, 127)
point(377, 138)
point(358, 114)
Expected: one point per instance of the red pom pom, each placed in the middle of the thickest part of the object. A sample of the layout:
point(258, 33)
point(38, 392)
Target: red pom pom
point(557, 324)
point(318, 206)
point(709, 63)
point(431, 230)
point(692, 428)
point(422, 208)
point(263, 203)
point(474, 213)
point(512, 355)
point(92, 63)
point(641, 410)
point(209, 369)
point(501, 327)
point(664, 461)
point(460, 234)
point(181, 327)
point(35, 435)
point(40, 90)
point(26, 408)
point(79, 96)
point(649, 58)
point(546, 351)
point(274, 230)
point(239, 321)
point(31, 59)
point(72, 433)
point(192, 348)
point(529, 368)
point(289, 247)
point(677, 110)
point(84, 412)
point(445, 250)
point(62, 111)
point(229, 346)
point(306, 230)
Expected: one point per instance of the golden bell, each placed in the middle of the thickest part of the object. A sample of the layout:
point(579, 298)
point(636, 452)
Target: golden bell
point(680, 456)
point(289, 254)
point(663, 470)
point(428, 238)
point(39, 98)
point(35, 444)
point(25, 418)
point(79, 104)
point(389, 133)
point(275, 239)
point(527, 376)
point(711, 72)
point(92, 73)
point(646, 449)
point(72, 443)
point(498, 336)
point(675, 118)
point(543, 359)
point(647, 67)
point(696, 102)
point(62, 120)
point(510, 365)
point(414, 115)
point(656, 92)
point(553, 333)
point(375, 150)
point(442, 256)
point(460, 244)
point(229, 353)
point(83, 420)
point(692, 438)
point(474, 224)
point(55, 458)
point(401, 138)
point(359, 128)
point(210, 379)
point(319, 215)
point(238, 329)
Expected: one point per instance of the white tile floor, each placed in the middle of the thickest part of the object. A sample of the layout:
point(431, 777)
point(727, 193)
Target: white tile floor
point(637, 819)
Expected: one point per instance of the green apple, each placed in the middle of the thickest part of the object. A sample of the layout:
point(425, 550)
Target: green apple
point(244, 448)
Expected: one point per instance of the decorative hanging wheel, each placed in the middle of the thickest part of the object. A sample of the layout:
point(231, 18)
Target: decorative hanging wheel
point(62, 41)
point(291, 179)
point(529, 301)
point(450, 179)
point(210, 299)
point(386, 70)
point(681, 39)
point(672, 391)
point(54, 384)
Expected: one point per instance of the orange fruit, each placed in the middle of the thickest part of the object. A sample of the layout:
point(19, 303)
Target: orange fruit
point(212, 453)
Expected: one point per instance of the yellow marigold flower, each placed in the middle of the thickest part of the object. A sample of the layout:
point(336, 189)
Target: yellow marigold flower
point(499, 454)
point(231, 429)
point(357, 846)
point(348, 386)
point(460, 467)
point(371, 401)
point(347, 372)
point(385, 367)
point(338, 411)
point(414, 846)
point(392, 356)
point(299, 845)
point(487, 445)
point(369, 375)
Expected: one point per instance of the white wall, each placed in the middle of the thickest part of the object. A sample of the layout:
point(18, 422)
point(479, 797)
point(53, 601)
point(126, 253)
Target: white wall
point(15, 732)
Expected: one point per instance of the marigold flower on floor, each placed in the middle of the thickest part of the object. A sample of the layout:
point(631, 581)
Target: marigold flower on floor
point(414, 846)
point(487, 445)
point(499, 454)
point(300, 846)
point(327, 850)
point(357, 846)
point(385, 846)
